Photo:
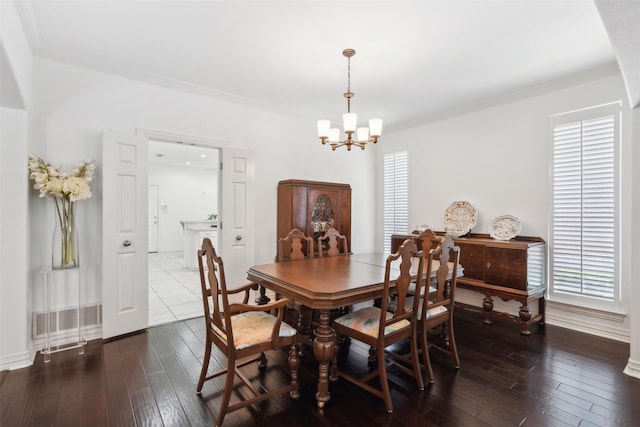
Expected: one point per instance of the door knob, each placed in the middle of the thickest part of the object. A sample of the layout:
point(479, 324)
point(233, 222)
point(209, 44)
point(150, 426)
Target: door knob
point(238, 237)
point(126, 243)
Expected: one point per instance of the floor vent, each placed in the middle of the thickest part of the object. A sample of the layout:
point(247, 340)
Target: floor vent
point(66, 320)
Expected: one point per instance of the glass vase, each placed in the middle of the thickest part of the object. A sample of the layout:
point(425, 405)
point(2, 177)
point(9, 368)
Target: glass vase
point(65, 235)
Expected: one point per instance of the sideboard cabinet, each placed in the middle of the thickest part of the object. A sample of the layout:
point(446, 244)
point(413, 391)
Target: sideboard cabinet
point(509, 270)
point(313, 207)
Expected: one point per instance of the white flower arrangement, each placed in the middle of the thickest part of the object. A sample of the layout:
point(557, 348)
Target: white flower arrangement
point(51, 181)
point(65, 188)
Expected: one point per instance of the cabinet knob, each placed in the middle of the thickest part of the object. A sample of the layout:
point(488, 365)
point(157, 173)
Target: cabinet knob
point(126, 243)
point(488, 265)
point(238, 237)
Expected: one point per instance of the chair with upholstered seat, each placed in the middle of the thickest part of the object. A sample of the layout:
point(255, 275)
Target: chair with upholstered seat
point(379, 328)
point(241, 331)
point(436, 306)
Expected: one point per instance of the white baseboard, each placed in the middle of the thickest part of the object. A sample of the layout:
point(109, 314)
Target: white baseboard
point(22, 360)
point(633, 368)
point(16, 361)
point(589, 321)
point(69, 336)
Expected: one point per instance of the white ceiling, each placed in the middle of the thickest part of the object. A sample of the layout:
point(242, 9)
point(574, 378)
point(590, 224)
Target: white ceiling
point(415, 59)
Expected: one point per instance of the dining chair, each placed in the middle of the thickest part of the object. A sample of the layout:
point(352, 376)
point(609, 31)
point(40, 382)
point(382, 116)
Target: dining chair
point(436, 307)
point(335, 243)
point(242, 332)
point(293, 247)
point(379, 328)
point(436, 316)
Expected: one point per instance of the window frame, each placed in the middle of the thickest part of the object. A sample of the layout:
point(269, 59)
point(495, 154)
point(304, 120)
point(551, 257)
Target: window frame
point(588, 301)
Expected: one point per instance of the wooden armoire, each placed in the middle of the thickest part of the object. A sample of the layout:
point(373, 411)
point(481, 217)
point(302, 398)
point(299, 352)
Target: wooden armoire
point(313, 207)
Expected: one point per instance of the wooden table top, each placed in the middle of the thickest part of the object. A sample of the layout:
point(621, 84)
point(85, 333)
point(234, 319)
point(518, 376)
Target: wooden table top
point(328, 282)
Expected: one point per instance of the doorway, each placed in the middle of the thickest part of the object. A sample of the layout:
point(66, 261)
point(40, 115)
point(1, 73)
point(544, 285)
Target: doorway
point(185, 179)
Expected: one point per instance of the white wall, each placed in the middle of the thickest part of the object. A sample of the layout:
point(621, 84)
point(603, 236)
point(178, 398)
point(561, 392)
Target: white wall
point(17, 52)
point(74, 105)
point(14, 303)
point(188, 194)
point(497, 159)
point(15, 344)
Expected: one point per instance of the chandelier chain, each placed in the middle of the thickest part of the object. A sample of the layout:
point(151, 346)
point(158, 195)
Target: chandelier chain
point(349, 75)
point(349, 84)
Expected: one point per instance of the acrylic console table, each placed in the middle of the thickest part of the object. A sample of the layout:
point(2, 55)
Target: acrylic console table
point(70, 281)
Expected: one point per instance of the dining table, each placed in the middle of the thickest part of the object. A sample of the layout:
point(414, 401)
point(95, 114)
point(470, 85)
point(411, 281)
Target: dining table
point(327, 283)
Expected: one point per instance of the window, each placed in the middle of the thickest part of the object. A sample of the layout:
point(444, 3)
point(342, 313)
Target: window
point(584, 226)
point(396, 195)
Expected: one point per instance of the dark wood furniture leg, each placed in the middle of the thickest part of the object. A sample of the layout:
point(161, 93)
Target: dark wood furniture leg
point(323, 347)
point(487, 304)
point(542, 305)
point(263, 298)
point(524, 317)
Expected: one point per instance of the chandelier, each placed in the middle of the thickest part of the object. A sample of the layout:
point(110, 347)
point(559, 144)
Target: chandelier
point(363, 135)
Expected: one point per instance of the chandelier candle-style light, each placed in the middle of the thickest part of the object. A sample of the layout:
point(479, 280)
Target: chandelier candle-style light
point(350, 121)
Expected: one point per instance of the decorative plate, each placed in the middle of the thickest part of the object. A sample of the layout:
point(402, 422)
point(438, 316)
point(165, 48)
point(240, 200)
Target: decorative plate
point(505, 227)
point(459, 218)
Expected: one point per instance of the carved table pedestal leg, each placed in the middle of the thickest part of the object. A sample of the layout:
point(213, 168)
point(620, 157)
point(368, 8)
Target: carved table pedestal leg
point(323, 346)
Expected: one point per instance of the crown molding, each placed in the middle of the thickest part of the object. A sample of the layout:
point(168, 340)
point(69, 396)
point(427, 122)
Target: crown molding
point(130, 73)
point(29, 25)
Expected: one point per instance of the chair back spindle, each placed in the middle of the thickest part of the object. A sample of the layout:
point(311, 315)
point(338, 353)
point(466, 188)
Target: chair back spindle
point(335, 242)
point(295, 246)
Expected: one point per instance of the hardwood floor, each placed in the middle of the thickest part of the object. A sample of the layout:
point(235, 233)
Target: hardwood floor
point(555, 377)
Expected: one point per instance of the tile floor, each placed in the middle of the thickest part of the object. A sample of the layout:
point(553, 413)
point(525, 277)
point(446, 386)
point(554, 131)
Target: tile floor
point(174, 291)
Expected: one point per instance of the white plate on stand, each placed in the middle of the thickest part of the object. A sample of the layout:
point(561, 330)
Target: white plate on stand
point(459, 218)
point(505, 227)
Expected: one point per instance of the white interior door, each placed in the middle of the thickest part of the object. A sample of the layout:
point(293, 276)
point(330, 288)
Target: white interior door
point(125, 300)
point(153, 218)
point(236, 224)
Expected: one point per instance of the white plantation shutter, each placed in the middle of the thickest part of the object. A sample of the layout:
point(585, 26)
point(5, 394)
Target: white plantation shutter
point(396, 195)
point(585, 203)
